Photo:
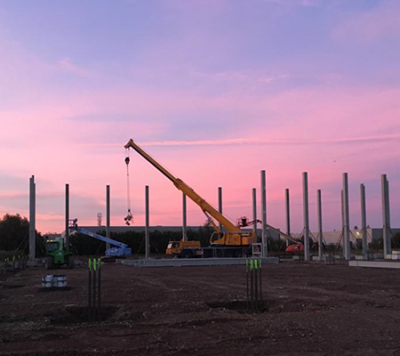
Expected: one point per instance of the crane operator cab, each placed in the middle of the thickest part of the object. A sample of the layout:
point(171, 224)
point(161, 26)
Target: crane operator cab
point(176, 248)
point(216, 237)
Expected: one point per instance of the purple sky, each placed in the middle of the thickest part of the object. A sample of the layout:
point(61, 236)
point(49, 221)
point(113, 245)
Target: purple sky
point(216, 90)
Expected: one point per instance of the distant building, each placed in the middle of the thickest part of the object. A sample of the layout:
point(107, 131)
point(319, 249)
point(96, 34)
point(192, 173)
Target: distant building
point(336, 235)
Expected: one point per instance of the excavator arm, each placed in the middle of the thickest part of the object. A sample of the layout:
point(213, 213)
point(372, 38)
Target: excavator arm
point(233, 236)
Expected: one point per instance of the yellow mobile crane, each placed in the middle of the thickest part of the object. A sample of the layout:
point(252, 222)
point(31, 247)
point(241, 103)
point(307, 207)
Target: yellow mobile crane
point(233, 242)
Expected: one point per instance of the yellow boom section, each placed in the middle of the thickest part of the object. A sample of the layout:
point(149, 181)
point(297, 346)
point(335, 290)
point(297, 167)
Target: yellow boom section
point(188, 191)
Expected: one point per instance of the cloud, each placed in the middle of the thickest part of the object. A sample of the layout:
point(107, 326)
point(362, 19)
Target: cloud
point(67, 65)
point(260, 141)
point(286, 132)
point(292, 3)
point(383, 21)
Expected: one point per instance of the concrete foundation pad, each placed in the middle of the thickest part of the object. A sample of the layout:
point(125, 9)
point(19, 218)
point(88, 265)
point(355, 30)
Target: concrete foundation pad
point(178, 262)
point(375, 264)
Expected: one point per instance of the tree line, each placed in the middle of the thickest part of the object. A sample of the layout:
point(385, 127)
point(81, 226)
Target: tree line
point(14, 239)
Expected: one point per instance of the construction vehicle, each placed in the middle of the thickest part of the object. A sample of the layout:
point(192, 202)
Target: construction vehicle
point(295, 249)
point(118, 249)
point(231, 242)
point(184, 249)
point(57, 254)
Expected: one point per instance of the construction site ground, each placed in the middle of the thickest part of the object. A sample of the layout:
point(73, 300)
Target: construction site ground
point(312, 309)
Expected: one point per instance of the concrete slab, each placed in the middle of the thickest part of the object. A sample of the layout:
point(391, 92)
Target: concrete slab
point(375, 264)
point(184, 262)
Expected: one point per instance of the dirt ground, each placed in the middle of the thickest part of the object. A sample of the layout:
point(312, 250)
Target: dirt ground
point(312, 309)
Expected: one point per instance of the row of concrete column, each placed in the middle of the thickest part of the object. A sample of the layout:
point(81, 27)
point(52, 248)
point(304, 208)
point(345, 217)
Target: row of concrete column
point(345, 216)
point(32, 217)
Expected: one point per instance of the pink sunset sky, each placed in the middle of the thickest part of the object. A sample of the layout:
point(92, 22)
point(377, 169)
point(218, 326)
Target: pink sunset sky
point(215, 90)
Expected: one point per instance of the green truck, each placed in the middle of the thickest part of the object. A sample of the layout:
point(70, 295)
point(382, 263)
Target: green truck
point(57, 254)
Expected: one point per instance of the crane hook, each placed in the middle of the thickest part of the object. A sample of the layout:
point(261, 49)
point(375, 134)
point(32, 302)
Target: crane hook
point(128, 218)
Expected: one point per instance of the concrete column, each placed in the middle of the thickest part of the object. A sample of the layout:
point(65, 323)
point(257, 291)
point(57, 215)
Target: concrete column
point(32, 218)
point(67, 217)
point(346, 220)
point(342, 207)
point(220, 205)
point(363, 222)
point(147, 233)
point(306, 218)
point(184, 238)
point(255, 211)
point(108, 215)
point(387, 205)
point(387, 247)
point(320, 231)
point(264, 214)
point(287, 199)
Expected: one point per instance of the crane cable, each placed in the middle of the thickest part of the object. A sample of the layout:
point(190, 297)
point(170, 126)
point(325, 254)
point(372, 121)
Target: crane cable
point(129, 218)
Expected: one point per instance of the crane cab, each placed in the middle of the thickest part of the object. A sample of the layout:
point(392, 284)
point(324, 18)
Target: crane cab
point(176, 247)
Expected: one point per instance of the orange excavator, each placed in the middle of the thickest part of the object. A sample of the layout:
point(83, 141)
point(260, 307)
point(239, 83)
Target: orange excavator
point(295, 248)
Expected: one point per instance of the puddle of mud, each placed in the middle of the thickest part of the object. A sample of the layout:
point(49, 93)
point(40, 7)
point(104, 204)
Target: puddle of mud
point(240, 306)
point(11, 286)
point(73, 314)
point(272, 306)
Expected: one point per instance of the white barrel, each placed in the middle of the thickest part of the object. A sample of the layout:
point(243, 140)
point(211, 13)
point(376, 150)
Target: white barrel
point(55, 281)
point(48, 278)
point(60, 281)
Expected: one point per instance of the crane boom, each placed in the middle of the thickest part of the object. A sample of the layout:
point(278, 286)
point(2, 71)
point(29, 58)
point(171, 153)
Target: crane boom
point(207, 208)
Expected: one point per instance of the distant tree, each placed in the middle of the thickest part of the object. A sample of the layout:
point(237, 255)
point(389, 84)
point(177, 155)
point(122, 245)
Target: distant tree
point(375, 245)
point(396, 240)
point(204, 234)
point(14, 235)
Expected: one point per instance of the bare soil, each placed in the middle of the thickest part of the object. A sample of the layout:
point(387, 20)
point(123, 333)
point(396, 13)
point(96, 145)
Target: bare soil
point(310, 309)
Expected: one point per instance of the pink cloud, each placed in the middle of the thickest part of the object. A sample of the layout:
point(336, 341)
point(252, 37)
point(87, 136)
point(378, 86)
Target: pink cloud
point(291, 3)
point(67, 65)
point(382, 21)
point(283, 133)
